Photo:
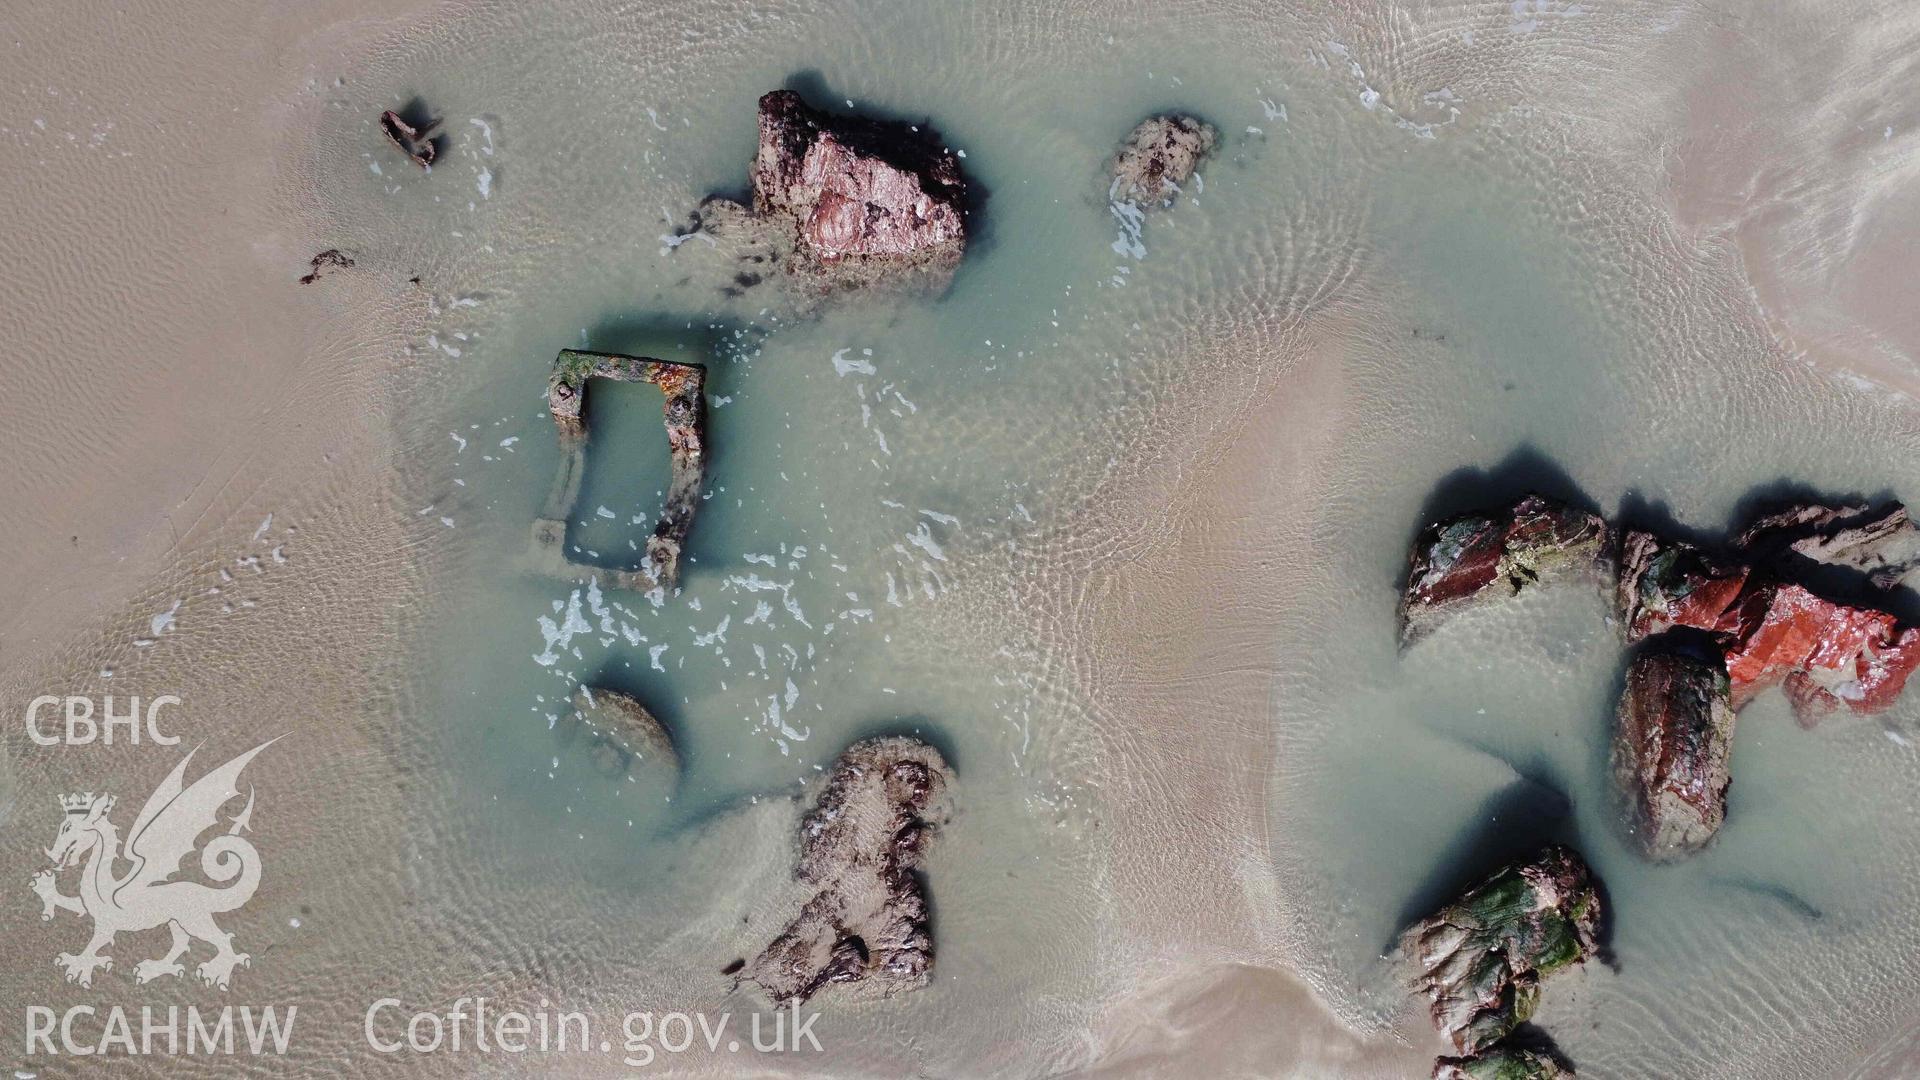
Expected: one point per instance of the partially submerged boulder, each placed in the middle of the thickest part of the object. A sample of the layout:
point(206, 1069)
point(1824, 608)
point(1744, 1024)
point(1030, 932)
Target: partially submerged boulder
point(866, 926)
point(1158, 158)
point(845, 203)
point(1482, 958)
point(1882, 543)
point(624, 733)
point(1490, 554)
point(1672, 739)
point(1502, 1062)
point(1827, 655)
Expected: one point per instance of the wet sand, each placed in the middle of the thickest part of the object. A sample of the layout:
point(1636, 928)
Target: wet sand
point(168, 387)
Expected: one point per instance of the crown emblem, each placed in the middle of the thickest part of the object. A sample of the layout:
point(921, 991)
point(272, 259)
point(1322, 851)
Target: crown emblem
point(77, 803)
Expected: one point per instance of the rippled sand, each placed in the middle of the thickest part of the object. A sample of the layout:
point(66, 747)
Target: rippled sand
point(1118, 531)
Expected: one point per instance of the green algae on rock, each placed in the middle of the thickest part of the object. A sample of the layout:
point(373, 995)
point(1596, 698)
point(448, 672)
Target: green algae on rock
point(1482, 958)
point(685, 413)
point(1502, 1062)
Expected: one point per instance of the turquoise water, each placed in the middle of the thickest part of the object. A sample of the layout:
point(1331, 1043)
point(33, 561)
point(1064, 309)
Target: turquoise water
point(962, 518)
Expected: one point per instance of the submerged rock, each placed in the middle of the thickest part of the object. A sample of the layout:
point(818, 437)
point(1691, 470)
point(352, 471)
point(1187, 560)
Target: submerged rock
point(1826, 654)
point(844, 203)
point(1671, 743)
point(1884, 544)
point(415, 142)
point(867, 925)
point(1158, 157)
point(1669, 583)
point(1486, 555)
point(1502, 1062)
point(625, 733)
point(1481, 959)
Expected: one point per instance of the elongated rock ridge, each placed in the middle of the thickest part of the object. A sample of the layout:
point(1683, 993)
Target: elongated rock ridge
point(866, 926)
point(1672, 740)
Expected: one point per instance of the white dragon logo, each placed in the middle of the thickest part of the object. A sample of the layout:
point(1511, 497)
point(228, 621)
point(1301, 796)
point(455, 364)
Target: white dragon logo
point(143, 898)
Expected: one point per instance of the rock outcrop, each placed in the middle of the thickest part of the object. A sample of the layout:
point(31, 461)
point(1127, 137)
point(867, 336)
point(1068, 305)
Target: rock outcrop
point(1669, 583)
point(1883, 544)
point(1502, 1063)
point(1672, 739)
point(1158, 158)
point(844, 203)
point(1826, 655)
point(1487, 555)
point(1482, 958)
point(624, 734)
point(866, 926)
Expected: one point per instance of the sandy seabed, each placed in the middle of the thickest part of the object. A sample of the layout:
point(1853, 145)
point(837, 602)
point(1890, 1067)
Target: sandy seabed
point(215, 492)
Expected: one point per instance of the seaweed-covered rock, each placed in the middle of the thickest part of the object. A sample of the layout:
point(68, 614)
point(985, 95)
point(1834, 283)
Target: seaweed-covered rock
point(867, 923)
point(1158, 157)
point(1485, 555)
point(1672, 738)
point(1481, 959)
point(1827, 655)
point(1502, 1062)
point(844, 203)
point(1884, 544)
point(1669, 583)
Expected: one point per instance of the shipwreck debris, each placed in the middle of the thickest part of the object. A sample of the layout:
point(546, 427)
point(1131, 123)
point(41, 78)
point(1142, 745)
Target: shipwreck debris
point(330, 259)
point(1672, 739)
point(1159, 156)
point(1485, 555)
point(685, 414)
point(867, 925)
point(415, 142)
point(842, 203)
point(1481, 959)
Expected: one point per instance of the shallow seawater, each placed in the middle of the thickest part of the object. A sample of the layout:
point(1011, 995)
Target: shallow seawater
point(916, 510)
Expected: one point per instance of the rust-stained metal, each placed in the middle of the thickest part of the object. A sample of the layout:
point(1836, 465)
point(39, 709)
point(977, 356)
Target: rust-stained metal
point(415, 142)
point(685, 415)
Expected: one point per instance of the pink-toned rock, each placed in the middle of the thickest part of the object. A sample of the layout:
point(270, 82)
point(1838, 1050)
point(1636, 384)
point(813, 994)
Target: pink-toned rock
point(1828, 655)
point(852, 203)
